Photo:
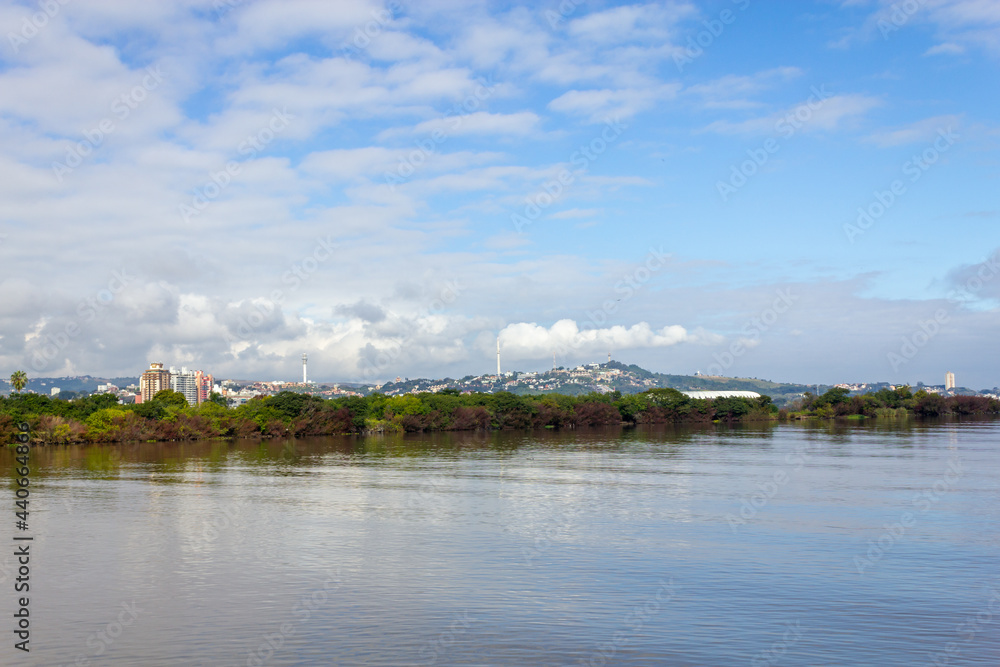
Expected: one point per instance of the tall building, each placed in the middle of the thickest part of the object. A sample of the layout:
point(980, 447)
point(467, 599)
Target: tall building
point(205, 382)
point(155, 379)
point(185, 382)
point(949, 380)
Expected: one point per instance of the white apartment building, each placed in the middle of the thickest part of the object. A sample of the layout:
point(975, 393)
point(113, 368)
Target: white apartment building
point(185, 382)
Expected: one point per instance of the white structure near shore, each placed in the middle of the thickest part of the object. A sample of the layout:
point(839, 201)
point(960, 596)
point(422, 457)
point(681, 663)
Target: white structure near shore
point(721, 394)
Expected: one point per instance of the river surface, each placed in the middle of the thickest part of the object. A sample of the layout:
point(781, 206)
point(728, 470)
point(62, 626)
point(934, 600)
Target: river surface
point(765, 545)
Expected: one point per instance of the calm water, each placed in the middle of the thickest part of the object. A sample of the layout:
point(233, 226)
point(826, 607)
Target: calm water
point(713, 546)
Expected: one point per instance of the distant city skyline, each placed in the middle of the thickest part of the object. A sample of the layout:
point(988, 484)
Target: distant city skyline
point(798, 191)
point(158, 377)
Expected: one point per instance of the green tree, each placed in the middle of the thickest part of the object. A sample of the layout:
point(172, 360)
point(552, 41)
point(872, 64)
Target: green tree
point(103, 421)
point(261, 412)
point(218, 399)
point(288, 404)
point(18, 380)
point(149, 410)
point(169, 397)
point(86, 406)
point(730, 407)
point(676, 404)
point(405, 405)
point(631, 405)
point(834, 396)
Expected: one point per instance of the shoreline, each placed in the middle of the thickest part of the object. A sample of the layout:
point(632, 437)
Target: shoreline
point(167, 417)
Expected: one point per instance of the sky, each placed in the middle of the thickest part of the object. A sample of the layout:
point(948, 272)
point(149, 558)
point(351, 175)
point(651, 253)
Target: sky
point(793, 191)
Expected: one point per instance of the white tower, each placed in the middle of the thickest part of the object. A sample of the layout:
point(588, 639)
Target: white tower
point(304, 381)
point(498, 357)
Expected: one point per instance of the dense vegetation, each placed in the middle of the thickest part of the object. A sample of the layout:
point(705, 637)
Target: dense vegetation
point(890, 403)
point(100, 418)
point(168, 417)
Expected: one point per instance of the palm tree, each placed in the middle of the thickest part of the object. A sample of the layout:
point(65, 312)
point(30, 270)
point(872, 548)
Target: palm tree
point(18, 379)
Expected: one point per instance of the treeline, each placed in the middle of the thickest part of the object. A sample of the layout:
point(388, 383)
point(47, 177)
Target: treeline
point(100, 418)
point(888, 403)
point(168, 417)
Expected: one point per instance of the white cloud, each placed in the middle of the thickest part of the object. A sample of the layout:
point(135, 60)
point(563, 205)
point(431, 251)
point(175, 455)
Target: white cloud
point(348, 164)
point(920, 131)
point(600, 105)
point(528, 340)
point(269, 23)
point(360, 114)
point(829, 114)
point(734, 91)
point(478, 123)
point(946, 49)
point(576, 213)
point(631, 22)
point(958, 24)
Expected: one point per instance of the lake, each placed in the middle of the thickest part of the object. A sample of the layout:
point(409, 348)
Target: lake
point(790, 544)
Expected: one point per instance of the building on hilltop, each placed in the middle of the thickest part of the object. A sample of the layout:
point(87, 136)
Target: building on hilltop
point(155, 379)
point(949, 380)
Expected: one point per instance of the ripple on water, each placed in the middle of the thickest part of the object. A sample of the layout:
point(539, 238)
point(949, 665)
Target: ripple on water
point(710, 546)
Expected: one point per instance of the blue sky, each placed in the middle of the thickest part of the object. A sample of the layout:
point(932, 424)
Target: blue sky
point(389, 187)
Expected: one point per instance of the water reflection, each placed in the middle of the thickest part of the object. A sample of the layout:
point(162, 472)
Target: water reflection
point(542, 544)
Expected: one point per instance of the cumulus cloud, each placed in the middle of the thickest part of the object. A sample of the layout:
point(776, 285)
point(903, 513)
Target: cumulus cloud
point(299, 243)
point(363, 310)
point(526, 340)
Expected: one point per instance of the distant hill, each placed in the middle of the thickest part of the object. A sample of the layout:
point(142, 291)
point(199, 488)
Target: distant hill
point(595, 377)
point(775, 390)
point(632, 379)
point(79, 383)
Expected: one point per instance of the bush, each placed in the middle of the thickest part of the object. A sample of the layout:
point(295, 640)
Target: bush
point(891, 413)
point(930, 405)
point(969, 405)
point(470, 419)
point(596, 414)
point(56, 430)
point(111, 425)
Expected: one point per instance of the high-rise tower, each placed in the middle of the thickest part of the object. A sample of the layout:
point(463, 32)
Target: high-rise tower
point(185, 382)
point(157, 378)
point(304, 358)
